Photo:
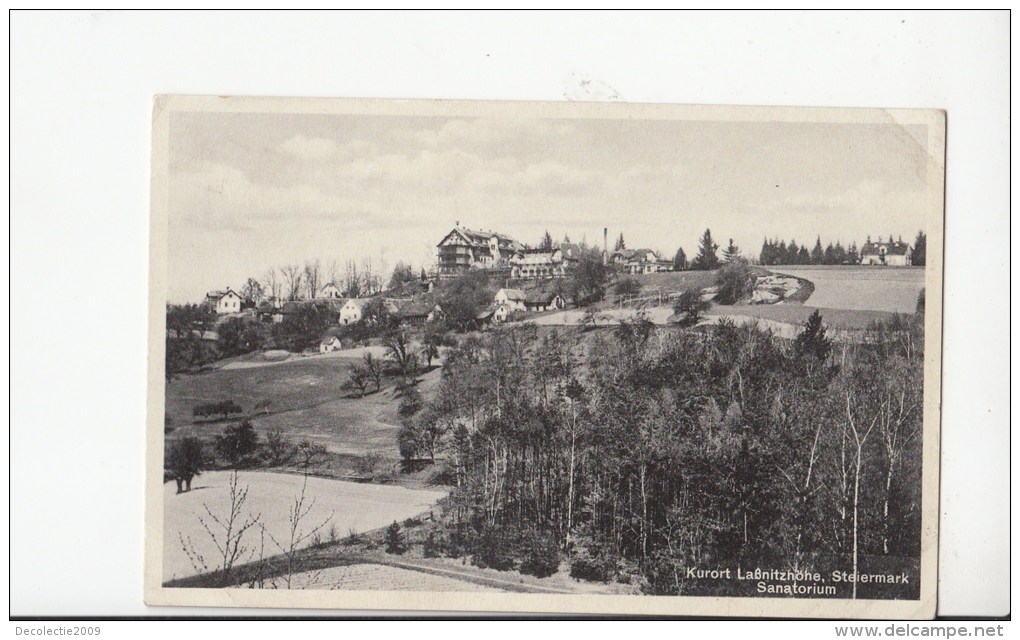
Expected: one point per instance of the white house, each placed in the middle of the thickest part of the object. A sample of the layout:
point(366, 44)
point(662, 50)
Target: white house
point(330, 291)
point(227, 301)
point(893, 254)
point(539, 300)
point(512, 299)
point(351, 312)
point(330, 341)
point(538, 263)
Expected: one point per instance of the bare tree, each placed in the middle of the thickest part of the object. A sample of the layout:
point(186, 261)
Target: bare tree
point(312, 278)
point(273, 283)
point(358, 379)
point(226, 531)
point(352, 280)
point(292, 277)
point(375, 369)
point(297, 536)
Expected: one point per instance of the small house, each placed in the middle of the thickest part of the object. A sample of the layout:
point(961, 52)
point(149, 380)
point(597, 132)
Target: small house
point(540, 300)
point(331, 341)
point(330, 291)
point(512, 299)
point(226, 301)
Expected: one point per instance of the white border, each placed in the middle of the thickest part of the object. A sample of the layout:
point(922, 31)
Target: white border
point(81, 86)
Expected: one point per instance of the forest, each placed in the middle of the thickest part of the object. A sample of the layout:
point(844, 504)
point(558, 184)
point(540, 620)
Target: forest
point(640, 452)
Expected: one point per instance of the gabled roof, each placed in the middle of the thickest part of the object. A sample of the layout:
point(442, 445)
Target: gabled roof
point(513, 294)
point(481, 238)
point(330, 333)
point(540, 296)
point(218, 295)
point(891, 248)
point(571, 250)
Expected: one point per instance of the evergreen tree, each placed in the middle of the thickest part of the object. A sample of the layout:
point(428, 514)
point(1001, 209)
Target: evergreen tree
point(829, 257)
point(547, 242)
point(792, 253)
point(566, 238)
point(852, 256)
point(706, 259)
point(803, 257)
point(918, 257)
point(731, 252)
point(620, 244)
point(680, 260)
point(812, 340)
point(817, 254)
point(395, 539)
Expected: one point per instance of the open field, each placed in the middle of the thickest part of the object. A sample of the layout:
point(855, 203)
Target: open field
point(353, 507)
point(860, 288)
point(797, 315)
point(305, 401)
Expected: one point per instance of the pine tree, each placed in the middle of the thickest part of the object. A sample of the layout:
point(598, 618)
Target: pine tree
point(395, 539)
point(680, 260)
point(792, 253)
point(547, 242)
point(919, 257)
point(620, 244)
point(817, 254)
point(812, 340)
point(566, 238)
point(731, 252)
point(706, 259)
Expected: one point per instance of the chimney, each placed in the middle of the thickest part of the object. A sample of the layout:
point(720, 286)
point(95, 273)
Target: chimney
point(457, 224)
point(605, 245)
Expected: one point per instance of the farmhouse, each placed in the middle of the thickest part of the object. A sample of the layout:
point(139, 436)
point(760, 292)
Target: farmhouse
point(330, 291)
point(512, 299)
point(538, 263)
point(539, 300)
point(893, 254)
point(330, 341)
point(464, 249)
point(226, 301)
point(417, 312)
point(352, 310)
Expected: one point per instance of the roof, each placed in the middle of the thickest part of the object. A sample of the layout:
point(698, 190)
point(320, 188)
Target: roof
point(540, 296)
point(891, 248)
point(330, 333)
point(571, 250)
point(481, 238)
point(414, 308)
point(513, 294)
point(216, 295)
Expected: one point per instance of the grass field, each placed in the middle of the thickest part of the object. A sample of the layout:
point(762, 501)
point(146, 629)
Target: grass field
point(859, 288)
point(305, 402)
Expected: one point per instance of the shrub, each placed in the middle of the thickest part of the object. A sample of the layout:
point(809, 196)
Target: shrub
point(542, 557)
point(395, 539)
point(736, 282)
point(592, 564)
point(920, 302)
point(221, 408)
point(494, 550)
point(689, 308)
point(237, 442)
point(438, 543)
point(627, 287)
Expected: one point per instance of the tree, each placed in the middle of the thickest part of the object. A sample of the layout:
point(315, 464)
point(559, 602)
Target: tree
point(238, 336)
point(736, 282)
point(812, 341)
point(464, 297)
point(919, 255)
point(680, 260)
point(358, 378)
point(429, 349)
point(588, 280)
point(628, 287)
point(237, 442)
point(352, 280)
point(252, 291)
point(706, 260)
point(398, 351)
point(547, 242)
point(312, 275)
point(374, 369)
point(292, 276)
point(402, 274)
point(184, 461)
point(219, 408)
point(620, 244)
point(273, 284)
point(817, 254)
point(689, 308)
point(395, 539)
point(731, 252)
point(278, 448)
point(303, 328)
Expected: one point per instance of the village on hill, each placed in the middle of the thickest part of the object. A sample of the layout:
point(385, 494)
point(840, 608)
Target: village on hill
point(522, 281)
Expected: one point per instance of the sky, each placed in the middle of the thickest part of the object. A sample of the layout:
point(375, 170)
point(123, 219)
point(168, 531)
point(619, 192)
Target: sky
point(249, 191)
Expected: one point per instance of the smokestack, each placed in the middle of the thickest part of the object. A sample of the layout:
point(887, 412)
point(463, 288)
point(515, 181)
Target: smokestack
point(605, 245)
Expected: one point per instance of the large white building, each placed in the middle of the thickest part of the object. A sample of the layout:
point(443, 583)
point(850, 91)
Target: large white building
point(893, 254)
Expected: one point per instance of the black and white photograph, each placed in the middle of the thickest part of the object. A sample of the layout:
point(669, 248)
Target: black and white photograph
point(545, 357)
